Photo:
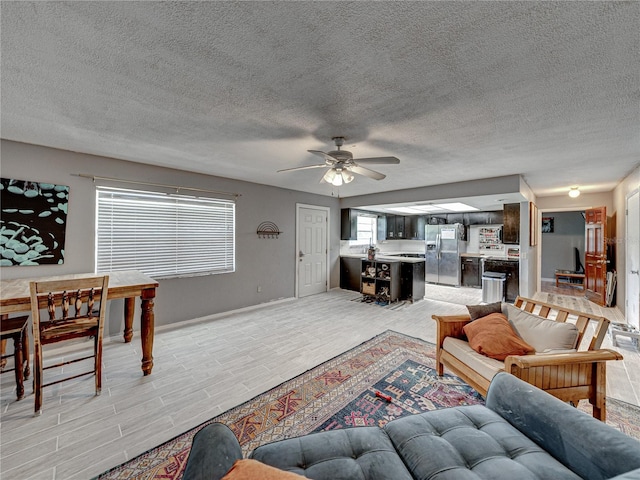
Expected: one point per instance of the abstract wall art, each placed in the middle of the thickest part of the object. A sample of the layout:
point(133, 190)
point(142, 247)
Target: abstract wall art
point(33, 219)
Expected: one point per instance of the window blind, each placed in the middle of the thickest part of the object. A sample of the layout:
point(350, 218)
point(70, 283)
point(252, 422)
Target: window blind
point(164, 235)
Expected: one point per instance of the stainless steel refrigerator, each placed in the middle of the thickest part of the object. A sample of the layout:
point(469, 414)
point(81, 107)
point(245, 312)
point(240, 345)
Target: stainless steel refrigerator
point(444, 245)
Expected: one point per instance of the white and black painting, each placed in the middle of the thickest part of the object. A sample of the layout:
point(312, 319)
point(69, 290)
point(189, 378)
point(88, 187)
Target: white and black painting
point(33, 219)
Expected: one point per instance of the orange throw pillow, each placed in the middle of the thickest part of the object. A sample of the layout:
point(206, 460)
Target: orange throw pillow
point(494, 337)
point(248, 469)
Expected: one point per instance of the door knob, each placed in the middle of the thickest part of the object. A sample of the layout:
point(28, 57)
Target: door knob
point(635, 272)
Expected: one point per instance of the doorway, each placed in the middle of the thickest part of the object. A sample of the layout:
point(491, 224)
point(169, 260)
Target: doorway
point(562, 247)
point(312, 252)
point(632, 267)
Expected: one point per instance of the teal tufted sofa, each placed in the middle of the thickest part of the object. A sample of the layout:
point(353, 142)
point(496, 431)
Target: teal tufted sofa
point(521, 433)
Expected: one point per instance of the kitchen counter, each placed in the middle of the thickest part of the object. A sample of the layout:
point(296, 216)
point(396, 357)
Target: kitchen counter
point(490, 257)
point(385, 258)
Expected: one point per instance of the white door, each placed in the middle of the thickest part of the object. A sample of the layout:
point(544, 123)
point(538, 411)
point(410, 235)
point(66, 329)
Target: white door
point(312, 250)
point(632, 310)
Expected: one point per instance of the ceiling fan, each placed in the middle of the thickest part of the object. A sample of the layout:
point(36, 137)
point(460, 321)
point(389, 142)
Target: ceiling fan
point(342, 165)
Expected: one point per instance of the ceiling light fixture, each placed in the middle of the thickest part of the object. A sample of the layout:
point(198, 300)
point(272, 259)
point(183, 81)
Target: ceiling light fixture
point(574, 192)
point(338, 176)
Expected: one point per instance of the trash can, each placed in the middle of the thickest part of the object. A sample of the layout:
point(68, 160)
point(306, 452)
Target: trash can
point(493, 286)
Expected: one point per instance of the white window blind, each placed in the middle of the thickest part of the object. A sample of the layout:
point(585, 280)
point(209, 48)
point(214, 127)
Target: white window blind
point(164, 235)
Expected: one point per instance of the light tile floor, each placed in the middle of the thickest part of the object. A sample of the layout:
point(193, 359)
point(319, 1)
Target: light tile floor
point(203, 368)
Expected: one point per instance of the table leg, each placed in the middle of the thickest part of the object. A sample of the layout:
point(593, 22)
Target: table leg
point(25, 353)
point(3, 348)
point(18, 352)
point(147, 328)
point(129, 309)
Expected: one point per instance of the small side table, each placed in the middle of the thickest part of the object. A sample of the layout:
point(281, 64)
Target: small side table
point(622, 330)
point(567, 277)
point(16, 328)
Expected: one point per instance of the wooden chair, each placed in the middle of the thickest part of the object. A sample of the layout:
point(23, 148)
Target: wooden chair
point(570, 377)
point(16, 329)
point(76, 309)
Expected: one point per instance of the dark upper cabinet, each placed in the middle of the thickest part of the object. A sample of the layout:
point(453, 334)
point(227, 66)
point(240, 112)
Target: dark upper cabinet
point(390, 227)
point(455, 218)
point(348, 224)
point(414, 226)
point(496, 217)
point(400, 227)
point(511, 220)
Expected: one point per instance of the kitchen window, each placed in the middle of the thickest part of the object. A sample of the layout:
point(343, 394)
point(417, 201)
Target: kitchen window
point(366, 230)
point(164, 235)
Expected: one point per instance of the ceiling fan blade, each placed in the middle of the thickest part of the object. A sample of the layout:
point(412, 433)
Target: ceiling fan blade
point(327, 158)
point(321, 165)
point(378, 160)
point(366, 172)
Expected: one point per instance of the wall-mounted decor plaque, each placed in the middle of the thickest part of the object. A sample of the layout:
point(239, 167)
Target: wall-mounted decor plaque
point(33, 219)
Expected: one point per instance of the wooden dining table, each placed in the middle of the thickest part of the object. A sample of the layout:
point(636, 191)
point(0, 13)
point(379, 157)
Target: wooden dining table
point(15, 298)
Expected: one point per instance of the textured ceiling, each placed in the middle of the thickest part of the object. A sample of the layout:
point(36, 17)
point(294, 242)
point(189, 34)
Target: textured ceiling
point(456, 90)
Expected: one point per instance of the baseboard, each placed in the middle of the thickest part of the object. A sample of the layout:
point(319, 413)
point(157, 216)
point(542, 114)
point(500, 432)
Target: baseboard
point(214, 316)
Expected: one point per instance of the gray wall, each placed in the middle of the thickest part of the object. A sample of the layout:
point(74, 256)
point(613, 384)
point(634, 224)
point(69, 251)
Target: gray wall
point(270, 263)
point(557, 247)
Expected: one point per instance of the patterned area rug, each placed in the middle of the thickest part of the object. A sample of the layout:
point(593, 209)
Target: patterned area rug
point(387, 377)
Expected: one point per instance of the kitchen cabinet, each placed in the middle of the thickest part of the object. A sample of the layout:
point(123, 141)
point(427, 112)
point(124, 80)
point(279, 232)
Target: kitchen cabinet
point(348, 224)
point(380, 279)
point(395, 227)
point(412, 281)
point(471, 272)
point(512, 269)
point(350, 273)
point(511, 220)
point(414, 227)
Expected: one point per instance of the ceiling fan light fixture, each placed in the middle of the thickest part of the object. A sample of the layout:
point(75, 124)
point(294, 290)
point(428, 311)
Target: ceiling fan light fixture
point(330, 175)
point(347, 176)
point(574, 192)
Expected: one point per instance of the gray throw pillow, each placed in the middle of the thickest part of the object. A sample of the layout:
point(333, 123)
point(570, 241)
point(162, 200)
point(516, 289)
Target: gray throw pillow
point(479, 311)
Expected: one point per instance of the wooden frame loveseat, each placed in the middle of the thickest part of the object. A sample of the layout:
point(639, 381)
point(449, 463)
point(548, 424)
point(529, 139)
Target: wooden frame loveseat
point(571, 377)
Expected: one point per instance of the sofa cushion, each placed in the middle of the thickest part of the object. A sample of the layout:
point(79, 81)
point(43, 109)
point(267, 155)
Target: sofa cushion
point(542, 334)
point(470, 442)
point(355, 453)
point(483, 365)
point(248, 469)
point(479, 311)
point(494, 337)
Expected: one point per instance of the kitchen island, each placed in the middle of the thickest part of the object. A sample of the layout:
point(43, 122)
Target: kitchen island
point(409, 284)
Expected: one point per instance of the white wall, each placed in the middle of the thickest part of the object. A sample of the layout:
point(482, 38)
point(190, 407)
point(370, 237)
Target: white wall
point(630, 184)
point(270, 263)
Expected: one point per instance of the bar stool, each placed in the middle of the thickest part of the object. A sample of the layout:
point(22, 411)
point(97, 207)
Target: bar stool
point(16, 328)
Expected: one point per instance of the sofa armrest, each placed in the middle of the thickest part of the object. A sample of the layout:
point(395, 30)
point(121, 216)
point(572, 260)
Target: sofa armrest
point(450, 326)
point(214, 450)
point(590, 448)
point(529, 361)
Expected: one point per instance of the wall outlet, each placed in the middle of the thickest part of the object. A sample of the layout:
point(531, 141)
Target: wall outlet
point(259, 288)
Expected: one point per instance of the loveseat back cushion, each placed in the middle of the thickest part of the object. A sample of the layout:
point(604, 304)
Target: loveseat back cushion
point(470, 443)
point(363, 453)
point(591, 448)
point(542, 334)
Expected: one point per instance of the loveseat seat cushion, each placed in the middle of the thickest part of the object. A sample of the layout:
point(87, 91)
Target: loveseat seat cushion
point(356, 453)
point(470, 442)
point(483, 365)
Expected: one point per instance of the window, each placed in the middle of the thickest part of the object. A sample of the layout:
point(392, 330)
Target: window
point(164, 235)
point(366, 230)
